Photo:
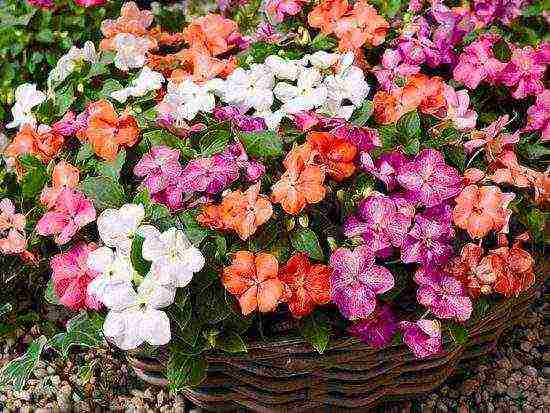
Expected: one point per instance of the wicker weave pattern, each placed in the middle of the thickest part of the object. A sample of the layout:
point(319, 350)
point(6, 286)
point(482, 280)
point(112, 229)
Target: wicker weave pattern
point(288, 376)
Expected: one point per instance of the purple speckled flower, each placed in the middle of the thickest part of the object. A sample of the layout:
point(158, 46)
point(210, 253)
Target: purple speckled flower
point(443, 295)
point(428, 242)
point(378, 329)
point(538, 116)
point(385, 167)
point(487, 11)
point(242, 122)
point(428, 180)
point(380, 222)
point(364, 138)
point(524, 71)
point(393, 69)
point(356, 281)
point(211, 175)
point(235, 153)
point(423, 337)
point(160, 167)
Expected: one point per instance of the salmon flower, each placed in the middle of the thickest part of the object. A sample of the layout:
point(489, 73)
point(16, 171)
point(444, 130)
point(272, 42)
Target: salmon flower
point(132, 20)
point(43, 143)
point(254, 281)
point(12, 229)
point(241, 212)
point(209, 34)
point(326, 15)
point(336, 154)
point(472, 270)
point(309, 284)
point(492, 139)
point(64, 175)
point(107, 131)
point(302, 183)
point(479, 210)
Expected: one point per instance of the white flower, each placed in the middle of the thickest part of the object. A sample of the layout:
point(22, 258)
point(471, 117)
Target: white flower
point(146, 81)
point(26, 98)
point(141, 320)
point(113, 287)
point(308, 93)
point(185, 99)
point(272, 119)
point(283, 68)
point(250, 88)
point(130, 50)
point(323, 60)
point(67, 63)
point(117, 227)
point(174, 258)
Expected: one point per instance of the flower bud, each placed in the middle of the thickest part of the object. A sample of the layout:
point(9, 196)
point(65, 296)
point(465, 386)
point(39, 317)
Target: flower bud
point(303, 220)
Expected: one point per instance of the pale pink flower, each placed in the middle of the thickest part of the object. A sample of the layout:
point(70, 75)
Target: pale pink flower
point(12, 229)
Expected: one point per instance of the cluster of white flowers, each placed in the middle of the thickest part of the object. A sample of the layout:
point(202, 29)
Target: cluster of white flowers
point(134, 316)
point(326, 82)
point(26, 98)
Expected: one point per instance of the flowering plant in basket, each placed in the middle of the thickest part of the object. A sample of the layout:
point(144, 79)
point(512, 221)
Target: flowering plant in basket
point(298, 168)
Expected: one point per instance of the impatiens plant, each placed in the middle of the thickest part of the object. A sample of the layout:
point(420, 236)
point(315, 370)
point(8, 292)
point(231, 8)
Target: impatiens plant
point(291, 167)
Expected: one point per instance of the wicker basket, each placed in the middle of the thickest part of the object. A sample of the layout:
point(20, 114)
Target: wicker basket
point(289, 376)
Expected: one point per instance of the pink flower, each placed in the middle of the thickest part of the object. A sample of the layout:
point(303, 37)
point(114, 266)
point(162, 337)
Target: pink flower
point(458, 109)
point(380, 222)
point(423, 337)
point(160, 167)
point(278, 9)
point(443, 295)
point(72, 211)
point(90, 3)
point(44, 4)
point(364, 138)
point(524, 71)
point(428, 179)
point(71, 277)
point(538, 116)
point(12, 229)
point(385, 167)
point(378, 329)
point(235, 153)
point(393, 69)
point(356, 281)
point(492, 138)
point(210, 175)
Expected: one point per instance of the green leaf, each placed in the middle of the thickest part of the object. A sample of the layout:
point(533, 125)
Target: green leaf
point(141, 265)
point(50, 295)
point(64, 98)
point(502, 51)
point(82, 331)
point(33, 182)
point(110, 86)
point(104, 192)
point(185, 370)
point(195, 232)
point(409, 125)
point(112, 169)
point(361, 115)
point(266, 144)
point(84, 152)
point(316, 331)
point(163, 137)
point(45, 36)
point(305, 240)
point(231, 342)
point(458, 333)
point(323, 42)
point(19, 370)
point(214, 142)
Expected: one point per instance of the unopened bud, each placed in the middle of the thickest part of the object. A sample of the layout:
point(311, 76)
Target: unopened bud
point(290, 224)
point(303, 220)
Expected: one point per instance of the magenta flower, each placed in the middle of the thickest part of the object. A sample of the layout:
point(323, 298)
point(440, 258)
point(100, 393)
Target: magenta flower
point(428, 179)
point(380, 222)
point(477, 63)
point(279, 9)
point(90, 3)
point(160, 167)
point(364, 138)
point(538, 116)
point(72, 211)
point(210, 175)
point(393, 69)
point(241, 121)
point(486, 11)
point(356, 281)
point(443, 295)
point(423, 337)
point(428, 242)
point(44, 4)
point(524, 71)
point(378, 329)
point(385, 167)
point(235, 153)
point(71, 277)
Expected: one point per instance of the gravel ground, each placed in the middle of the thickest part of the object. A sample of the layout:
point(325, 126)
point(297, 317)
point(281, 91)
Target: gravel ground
point(514, 379)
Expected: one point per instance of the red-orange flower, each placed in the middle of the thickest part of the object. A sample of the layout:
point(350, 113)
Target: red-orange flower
point(241, 212)
point(106, 131)
point(325, 15)
point(209, 34)
point(254, 280)
point(479, 210)
point(43, 143)
point(473, 270)
point(308, 284)
point(302, 183)
point(336, 154)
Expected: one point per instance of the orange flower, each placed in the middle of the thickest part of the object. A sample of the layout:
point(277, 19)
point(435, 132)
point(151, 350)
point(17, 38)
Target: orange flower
point(479, 210)
point(512, 268)
point(241, 212)
point(302, 183)
point(253, 280)
point(309, 285)
point(209, 34)
point(64, 175)
point(326, 14)
point(362, 25)
point(387, 107)
point(106, 132)
point(43, 143)
point(473, 271)
point(336, 154)
point(132, 20)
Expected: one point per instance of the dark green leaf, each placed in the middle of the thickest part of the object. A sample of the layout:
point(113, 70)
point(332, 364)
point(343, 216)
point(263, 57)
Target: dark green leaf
point(104, 192)
point(214, 142)
point(316, 330)
point(84, 152)
point(502, 51)
point(50, 295)
point(458, 333)
point(362, 114)
point(64, 98)
point(82, 331)
point(45, 36)
point(33, 182)
point(112, 169)
point(185, 370)
point(231, 342)
point(19, 370)
point(266, 144)
point(195, 232)
point(323, 42)
point(305, 240)
point(408, 125)
point(141, 265)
